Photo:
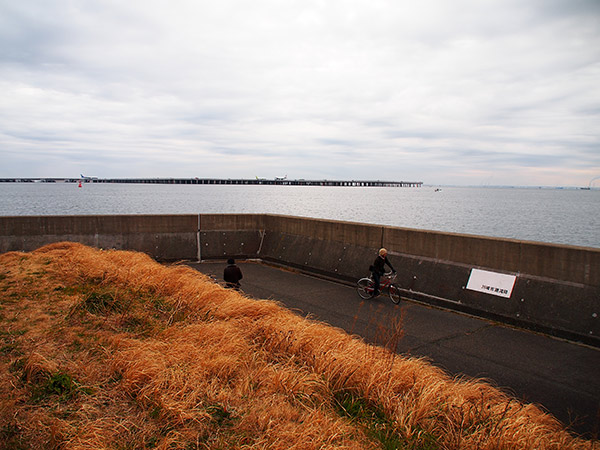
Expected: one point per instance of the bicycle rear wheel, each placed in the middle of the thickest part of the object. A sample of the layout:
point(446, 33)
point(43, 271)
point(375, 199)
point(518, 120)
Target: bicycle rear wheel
point(395, 293)
point(364, 287)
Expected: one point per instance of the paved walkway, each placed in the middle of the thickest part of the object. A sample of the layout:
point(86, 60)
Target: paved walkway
point(562, 377)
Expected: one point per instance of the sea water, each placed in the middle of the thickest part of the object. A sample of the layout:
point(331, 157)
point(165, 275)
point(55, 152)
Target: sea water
point(562, 216)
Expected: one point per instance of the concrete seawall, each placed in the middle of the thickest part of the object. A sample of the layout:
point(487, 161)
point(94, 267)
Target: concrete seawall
point(163, 237)
point(556, 287)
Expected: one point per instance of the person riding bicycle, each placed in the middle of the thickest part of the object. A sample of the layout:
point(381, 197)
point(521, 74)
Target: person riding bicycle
point(378, 269)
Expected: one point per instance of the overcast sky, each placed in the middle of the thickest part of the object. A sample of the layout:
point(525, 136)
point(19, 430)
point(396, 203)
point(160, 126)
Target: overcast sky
point(468, 92)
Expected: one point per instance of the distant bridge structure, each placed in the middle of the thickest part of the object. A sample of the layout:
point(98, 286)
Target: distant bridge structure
point(233, 181)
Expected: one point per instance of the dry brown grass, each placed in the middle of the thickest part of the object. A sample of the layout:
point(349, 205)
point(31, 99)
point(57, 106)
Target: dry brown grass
point(110, 350)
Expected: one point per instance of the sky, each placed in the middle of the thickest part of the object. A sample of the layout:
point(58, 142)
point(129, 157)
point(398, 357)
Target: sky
point(461, 92)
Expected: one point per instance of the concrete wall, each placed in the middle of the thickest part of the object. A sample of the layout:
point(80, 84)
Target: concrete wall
point(167, 237)
point(557, 287)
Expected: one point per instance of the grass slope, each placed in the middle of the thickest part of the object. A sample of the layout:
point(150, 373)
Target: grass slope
point(111, 350)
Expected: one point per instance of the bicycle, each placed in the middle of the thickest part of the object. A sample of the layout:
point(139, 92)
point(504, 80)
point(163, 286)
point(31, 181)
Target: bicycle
point(366, 287)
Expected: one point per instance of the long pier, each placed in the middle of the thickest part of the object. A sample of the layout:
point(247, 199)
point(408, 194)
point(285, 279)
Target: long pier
point(239, 181)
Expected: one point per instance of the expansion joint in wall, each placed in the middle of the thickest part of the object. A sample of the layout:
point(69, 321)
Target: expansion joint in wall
point(262, 238)
point(198, 245)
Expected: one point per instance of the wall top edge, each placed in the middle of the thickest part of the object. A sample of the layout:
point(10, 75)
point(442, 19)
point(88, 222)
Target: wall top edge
point(94, 215)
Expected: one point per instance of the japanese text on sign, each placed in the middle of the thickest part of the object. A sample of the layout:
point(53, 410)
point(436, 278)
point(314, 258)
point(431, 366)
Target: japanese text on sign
point(491, 282)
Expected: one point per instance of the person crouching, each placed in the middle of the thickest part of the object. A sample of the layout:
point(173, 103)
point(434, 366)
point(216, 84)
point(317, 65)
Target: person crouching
point(232, 275)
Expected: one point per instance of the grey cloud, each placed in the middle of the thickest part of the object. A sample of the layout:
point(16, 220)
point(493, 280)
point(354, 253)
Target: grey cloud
point(251, 89)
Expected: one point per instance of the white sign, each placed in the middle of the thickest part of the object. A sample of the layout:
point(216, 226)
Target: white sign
point(491, 283)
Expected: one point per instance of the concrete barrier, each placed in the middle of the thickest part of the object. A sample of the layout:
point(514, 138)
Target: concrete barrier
point(556, 289)
point(164, 237)
point(230, 235)
point(562, 262)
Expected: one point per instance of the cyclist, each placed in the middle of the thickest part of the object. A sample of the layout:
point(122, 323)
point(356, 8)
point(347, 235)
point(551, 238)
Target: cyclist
point(378, 269)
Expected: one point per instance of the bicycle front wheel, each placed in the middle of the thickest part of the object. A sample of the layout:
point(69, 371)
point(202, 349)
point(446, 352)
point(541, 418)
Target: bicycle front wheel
point(395, 293)
point(364, 287)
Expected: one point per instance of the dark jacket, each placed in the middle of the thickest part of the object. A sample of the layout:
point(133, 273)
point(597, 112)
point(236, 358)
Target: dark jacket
point(232, 275)
point(379, 265)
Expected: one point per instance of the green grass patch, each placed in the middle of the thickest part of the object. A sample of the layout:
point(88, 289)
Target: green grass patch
point(378, 426)
point(102, 302)
point(60, 386)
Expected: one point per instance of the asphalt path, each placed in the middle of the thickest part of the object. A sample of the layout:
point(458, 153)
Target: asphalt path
point(561, 377)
